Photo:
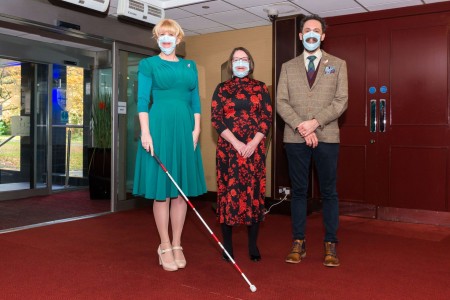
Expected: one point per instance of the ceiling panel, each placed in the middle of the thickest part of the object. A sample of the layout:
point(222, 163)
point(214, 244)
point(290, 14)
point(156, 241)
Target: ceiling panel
point(232, 17)
point(251, 24)
point(177, 13)
point(208, 7)
point(197, 22)
point(251, 3)
point(317, 7)
point(283, 8)
point(202, 16)
point(213, 29)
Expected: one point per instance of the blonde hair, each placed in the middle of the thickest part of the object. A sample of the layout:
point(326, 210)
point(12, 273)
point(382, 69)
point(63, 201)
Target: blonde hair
point(168, 25)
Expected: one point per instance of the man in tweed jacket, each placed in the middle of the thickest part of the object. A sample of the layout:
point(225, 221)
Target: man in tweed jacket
point(312, 94)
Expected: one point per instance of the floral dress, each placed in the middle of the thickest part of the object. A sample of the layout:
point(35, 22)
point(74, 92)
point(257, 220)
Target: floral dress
point(243, 106)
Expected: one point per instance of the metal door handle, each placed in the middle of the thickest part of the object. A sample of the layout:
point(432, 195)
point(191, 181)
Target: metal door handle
point(373, 115)
point(382, 115)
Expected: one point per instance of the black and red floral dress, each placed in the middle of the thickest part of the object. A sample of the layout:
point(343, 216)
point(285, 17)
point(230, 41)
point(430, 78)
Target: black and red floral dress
point(243, 106)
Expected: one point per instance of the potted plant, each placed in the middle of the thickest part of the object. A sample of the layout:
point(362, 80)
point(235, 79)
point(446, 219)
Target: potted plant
point(100, 155)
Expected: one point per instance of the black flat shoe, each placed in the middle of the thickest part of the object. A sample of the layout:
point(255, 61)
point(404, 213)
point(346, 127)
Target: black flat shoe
point(254, 254)
point(255, 258)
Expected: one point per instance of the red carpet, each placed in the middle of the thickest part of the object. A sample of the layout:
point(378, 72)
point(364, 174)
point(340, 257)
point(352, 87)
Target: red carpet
point(114, 257)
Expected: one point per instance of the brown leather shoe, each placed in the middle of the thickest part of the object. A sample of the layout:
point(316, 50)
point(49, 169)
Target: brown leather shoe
point(298, 252)
point(331, 259)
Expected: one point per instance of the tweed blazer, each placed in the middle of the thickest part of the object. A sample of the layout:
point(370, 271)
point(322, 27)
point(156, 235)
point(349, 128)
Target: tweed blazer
point(325, 101)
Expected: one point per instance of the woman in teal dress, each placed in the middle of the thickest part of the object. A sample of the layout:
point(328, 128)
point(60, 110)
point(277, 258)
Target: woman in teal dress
point(170, 128)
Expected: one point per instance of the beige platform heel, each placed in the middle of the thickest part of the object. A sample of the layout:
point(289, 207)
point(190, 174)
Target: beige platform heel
point(168, 266)
point(181, 263)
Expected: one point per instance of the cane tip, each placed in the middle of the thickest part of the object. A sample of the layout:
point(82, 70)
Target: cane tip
point(253, 288)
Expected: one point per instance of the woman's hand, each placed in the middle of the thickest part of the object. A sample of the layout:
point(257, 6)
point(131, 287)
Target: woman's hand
point(239, 146)
point(252, 145)
point(195, 136)
point(250, 148)
point(147, 143)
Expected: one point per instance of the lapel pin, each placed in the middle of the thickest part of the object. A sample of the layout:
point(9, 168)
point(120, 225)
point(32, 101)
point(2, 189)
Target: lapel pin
point(330, 70)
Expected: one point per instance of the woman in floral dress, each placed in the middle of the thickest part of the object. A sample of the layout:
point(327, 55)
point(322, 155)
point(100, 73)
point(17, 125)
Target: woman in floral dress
point(241, 112)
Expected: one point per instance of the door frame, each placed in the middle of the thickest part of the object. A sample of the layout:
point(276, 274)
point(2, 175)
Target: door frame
point(46, 57)
point(116, 204)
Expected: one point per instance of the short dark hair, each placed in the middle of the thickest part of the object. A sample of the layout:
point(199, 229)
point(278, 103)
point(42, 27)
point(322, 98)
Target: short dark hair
point(250, 59)
point(313, 17)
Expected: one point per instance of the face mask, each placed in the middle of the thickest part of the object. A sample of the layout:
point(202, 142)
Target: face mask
point(167, 39)
point(311, 46)
point(240, 63)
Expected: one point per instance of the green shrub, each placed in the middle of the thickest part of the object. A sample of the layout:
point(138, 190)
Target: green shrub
point(5, 128)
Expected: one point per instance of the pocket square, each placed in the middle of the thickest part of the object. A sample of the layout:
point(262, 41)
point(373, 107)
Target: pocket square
point(330, 70)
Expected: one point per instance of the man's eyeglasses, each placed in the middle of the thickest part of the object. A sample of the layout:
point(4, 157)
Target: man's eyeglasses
point(244, 59)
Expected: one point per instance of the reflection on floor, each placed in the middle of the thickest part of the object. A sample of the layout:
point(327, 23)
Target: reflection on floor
point(58, 206)
point(17, 186)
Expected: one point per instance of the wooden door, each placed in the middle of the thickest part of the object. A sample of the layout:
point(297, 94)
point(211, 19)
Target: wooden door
point(416, 147)
point(398, 76)
point(360, 46)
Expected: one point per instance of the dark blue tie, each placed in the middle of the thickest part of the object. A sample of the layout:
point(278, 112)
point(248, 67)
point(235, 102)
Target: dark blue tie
point(311, 68)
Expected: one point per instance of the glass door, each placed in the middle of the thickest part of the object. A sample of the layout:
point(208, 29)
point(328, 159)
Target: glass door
point(127, 59)
point(24, 128)
point(46, 102)
point(29, 93)
point(70, 125)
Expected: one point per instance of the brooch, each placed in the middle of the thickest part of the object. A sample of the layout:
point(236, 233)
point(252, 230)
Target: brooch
point(330, 70)
point(188, 65)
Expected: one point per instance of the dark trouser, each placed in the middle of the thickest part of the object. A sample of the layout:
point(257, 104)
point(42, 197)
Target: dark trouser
point(325, 157)
point(227, 233)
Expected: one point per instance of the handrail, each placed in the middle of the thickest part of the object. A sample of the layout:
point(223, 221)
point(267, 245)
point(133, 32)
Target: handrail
point(7, 140)
point(69, 126)
point(69, 142)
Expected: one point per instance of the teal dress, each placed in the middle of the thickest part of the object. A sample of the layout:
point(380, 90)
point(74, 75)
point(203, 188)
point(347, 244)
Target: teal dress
point(173, 90)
